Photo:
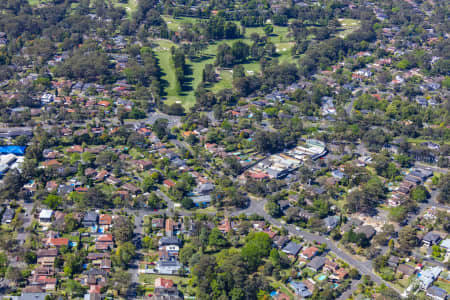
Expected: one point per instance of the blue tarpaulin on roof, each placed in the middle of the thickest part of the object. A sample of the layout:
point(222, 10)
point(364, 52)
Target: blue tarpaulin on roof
point(17, 150)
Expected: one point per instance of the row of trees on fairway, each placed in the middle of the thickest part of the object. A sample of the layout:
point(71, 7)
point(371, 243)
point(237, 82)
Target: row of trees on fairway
point(179, 62)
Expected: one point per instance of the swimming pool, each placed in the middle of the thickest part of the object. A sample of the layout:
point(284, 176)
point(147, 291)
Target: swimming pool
point(322, 277)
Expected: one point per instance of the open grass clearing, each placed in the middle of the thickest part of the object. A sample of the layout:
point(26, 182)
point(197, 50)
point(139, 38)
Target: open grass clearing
point(129, 7)
point(348, 26)
point(196, 65)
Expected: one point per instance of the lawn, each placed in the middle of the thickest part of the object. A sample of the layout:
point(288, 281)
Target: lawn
point(174, 24)
point(423, 140)
point(443, 285)
point(130, 7)
point(348, 26)
point(284, 289)
point(150, 278)
point(181, 282)
point(187, 97)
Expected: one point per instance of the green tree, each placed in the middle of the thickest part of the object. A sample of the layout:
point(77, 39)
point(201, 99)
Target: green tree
point(74, 288)
point(216, 239)
point(13, 274)
point(52, 201)
point(273, 209)
point(186, 253)
point(72, 264)
point(258, 245)
point(407, 238)
point(119, 281)
point(444, 185)
point(419, 193)
point(122, 229)
point(124, 254)
point(268, 29)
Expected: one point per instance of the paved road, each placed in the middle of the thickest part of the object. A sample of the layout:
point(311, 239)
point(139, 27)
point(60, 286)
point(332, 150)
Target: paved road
point(364, 268)
point(170, 204)
point(27, 218)
point(153, 116)
point(134, 265)
point(353, 287)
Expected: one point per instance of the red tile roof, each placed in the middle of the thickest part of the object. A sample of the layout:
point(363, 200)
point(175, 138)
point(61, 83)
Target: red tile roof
point(58, 241)
point(105, 219)
point(168, 183)
point(163, 283)
point(105, 238)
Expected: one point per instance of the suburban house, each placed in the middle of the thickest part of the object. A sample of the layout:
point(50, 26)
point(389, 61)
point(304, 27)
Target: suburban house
point(331, 222)
point(158, 223)
point(104, 222)
point(8, 215)
point(56, 242)
point(46, 257)
point(430, 239)
point(437, 293)
point(104, 242)
point(406, 270)
point(367, 230)
point(292, 249)
point(280, 240)
point(309, 253)
point(428, 276)
point(45, 216)
point(169, 240)
point(446, 245)
point(169, 227)
point(300, 289)
point(317, 263)
point(165, 289)
point(90, 219)
point(169, 267)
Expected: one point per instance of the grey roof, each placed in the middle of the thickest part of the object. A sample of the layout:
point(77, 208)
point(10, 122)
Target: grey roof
point(318, 190)
point(92, 296)
point(8, 215)
point(412, 179)
point(331, 221)
point(95, 272)
point(169, 263)
point(280, 241)
point(419, 174)
point(351, 223)
point(65, 189)
point(292, 248)
point(205, 188)
point(437, 292)
point(368, 231)
point(317, 262)
point(338, 174)
point(300, 289)
point(90, 216)
point(284, 204)
point(446, 244)
point(31, 296)
point(201, 199)
point(426, 173)
point(406, 269)
point(169, 240)
point(432, 237)
point(428, 276)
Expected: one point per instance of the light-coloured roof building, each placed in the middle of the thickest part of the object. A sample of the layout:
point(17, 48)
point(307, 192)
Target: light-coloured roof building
point(46, 214)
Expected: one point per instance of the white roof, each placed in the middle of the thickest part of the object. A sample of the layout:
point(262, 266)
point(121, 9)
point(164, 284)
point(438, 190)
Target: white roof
point(446, 244)
point(46, 214)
